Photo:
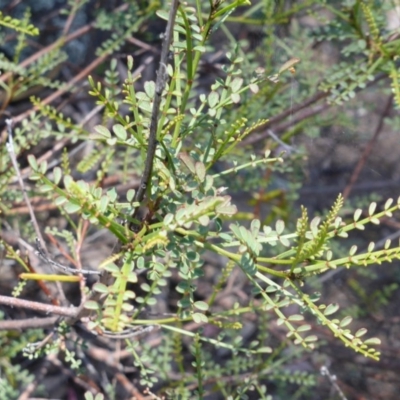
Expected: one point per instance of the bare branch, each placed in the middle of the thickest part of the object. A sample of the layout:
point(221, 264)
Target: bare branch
point(34, 305)
point(29, 323)
point(40, 252)
point(11, 152)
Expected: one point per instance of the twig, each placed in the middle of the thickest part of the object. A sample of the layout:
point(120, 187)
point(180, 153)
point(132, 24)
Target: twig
point(28, 323)
point(10, 239)
point(272, 122)
point(307, 113)
point(59, 266)
point(81, 234)
point(36, 306)
point(70, 19)
point(59, 145)
point(72, 36)
point(332, 379)
point(378, 245)
point(288, 148)
point(127, 333)
point(71, 84)
point(160, 84)
point(11, 152)
point(254, 138)
point(34, 57)
point(367, 151)
point(40, 244)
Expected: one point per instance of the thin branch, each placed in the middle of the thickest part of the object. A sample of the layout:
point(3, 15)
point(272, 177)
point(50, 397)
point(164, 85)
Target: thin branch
point(367, 151)
point(160, 85)
point(308, 113)
point(254, 138)
point(61, 41)
point(272, 122)
point(36, 306)
point(11, 152)
point(59, 266)
point(128, 333)
point(29, 323)
point(69, 85)
point(333, 381)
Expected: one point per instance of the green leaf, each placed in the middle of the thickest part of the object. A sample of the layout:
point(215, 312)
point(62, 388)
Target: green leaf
point(111, 267)
point(353, 250)
point(236, 84)
point(371, 209)
point(360, 332)
point(314, 225)
point(296, 317)
point(284, 241)
point(388, 203)
point(200, 49)
point(130, 195)
point(57, 174)
point(199, 318)
point(213, 99)
point(311, 338)
point(145, 106)
point(103, 131)
point(254, 88)
point(163, 14)
point(120, 132)
point(46, 188)
point(372, 341)
point(235, 97)
point(43, 167)
point(279, 227)
point(59, 201)
point(204, 220)
point(188, 162)
point(357, 214)
point(346, 321)
point(151, 301)
point(248, 265)
point(91, 305)
point(146, 287)
point(264, 350)
point(303, 328)
point(71, 208)
point(331, 309)
point(32, 162)
point(201, 305)
point(150, 89)
point(226, 210)
point(132, 277)
point(200, 171)
point(100, 288)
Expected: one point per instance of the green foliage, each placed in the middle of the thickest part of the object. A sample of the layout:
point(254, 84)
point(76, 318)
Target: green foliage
point(19, 25)
point(373, 48)
point(189, 213)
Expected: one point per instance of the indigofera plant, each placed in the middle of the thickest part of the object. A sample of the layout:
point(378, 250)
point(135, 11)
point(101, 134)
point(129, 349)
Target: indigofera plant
point(188, 144)
point(187, 213)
